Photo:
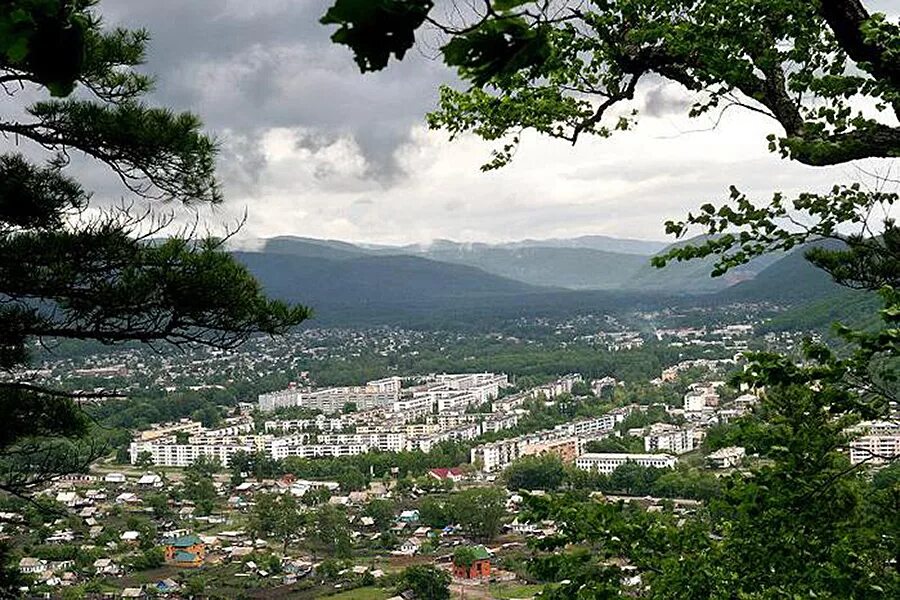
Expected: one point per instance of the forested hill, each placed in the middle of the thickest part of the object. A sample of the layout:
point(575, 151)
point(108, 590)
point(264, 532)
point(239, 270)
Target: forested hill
point(789, 280)
point(348, 284)
point(373, 278)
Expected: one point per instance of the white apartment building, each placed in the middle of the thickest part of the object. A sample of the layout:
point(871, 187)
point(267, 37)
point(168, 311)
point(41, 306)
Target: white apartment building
point(388, 385)
point(694, 402)
point(669, 438)
point(875, 449)
point(280, 451)
point(484, 386)
point(381, 392)
point(184, 455)
point(563, 385)
point(320, 423)
point(606, 463)
point(415, 407)
point(878, 442)
point(496, 455)
point(385, 441)
point(594, 426)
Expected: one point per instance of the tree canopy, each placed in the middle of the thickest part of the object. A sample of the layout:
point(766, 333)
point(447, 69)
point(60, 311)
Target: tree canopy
point(72, 268)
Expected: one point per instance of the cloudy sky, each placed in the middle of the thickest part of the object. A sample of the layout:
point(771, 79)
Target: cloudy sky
point(312, 147)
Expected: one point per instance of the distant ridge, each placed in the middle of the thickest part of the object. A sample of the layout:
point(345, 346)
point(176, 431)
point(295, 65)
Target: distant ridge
point(344, 281)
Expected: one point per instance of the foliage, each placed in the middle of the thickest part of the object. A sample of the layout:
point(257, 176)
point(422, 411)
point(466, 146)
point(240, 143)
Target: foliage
point(561, 70)
point(73, 271)
point(278, 516)
point(151, 558)
point(479, 511)
point(802, 522)
point(331, 531)
point(425, 581)
point(543, 472)
point(382, 511)
point(200, 489)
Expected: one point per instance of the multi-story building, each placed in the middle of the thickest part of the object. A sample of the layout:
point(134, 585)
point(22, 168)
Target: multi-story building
point(567, 449)
point(877, 442)
point(666, 437)
point(385, 441)
point(376, 393)
point(606, 463)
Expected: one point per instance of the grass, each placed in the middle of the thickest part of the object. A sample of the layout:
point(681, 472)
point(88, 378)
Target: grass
point(504, 591)
point(363, 593)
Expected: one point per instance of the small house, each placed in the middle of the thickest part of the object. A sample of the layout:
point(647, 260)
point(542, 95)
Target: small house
point(185, 551)
point(150, 480)
point(114, 478)
point(471, 563)
point(106, 566)
point(32, 566)
point(443, 474)
point(409, 516)
point(411, 546)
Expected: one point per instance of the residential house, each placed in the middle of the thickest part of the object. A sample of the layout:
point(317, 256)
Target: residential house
point(32, 566)
point(411, 546)
point(106, 566)
point(453, 473)
point(478, 564)
point(185, 551)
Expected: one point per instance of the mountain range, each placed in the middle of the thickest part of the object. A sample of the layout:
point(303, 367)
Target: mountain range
point(347, 282)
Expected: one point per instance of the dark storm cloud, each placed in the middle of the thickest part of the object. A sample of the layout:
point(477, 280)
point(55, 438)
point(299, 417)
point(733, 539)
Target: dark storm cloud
point(247, 67)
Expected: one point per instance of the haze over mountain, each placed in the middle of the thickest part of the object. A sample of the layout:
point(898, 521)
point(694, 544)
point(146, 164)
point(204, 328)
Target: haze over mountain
point(452, 280)
point(584, 263)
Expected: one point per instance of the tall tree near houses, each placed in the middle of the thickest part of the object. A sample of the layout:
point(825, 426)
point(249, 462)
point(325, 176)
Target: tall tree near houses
point(72, 270)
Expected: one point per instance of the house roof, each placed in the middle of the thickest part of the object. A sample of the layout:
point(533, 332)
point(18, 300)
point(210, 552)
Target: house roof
point(185, 541)
point(478, 553)
point(444, 473)
point(29, 561)
point(182, 556)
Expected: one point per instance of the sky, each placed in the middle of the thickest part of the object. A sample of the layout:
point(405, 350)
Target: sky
point(312, 147)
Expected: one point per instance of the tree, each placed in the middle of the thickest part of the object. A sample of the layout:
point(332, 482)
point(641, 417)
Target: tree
point(425, 581)
point(434, 512)
point(72, 270)
point(200, 489)
point(560, 69)
point(150, 558)
point(204, 465)
point(544, 472)
point(278, 516)
point(479, 510)
point(351, 480)
point(382, 511)
point(331, 530)
point(144, 460)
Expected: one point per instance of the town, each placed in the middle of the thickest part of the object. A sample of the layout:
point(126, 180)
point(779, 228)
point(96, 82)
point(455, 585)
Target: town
point(349, 491)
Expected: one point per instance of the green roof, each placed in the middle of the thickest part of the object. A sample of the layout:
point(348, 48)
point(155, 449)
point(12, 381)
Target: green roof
point(182, 556)
point(185, 541)
point(466, 556)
